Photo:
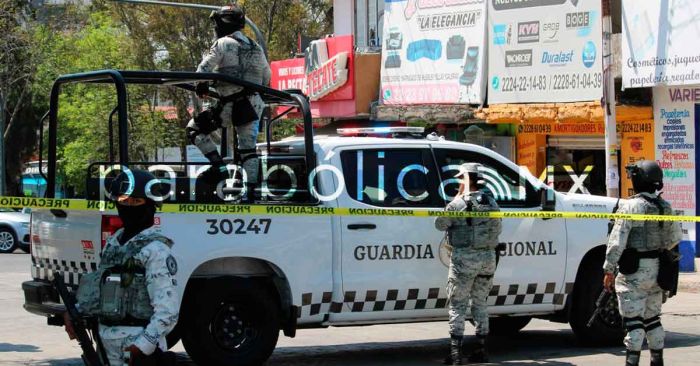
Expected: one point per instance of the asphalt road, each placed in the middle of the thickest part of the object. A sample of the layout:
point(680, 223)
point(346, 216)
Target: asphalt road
point(25, 339)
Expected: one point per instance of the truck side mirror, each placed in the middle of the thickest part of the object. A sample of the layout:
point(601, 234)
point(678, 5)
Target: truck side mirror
point(547, 199)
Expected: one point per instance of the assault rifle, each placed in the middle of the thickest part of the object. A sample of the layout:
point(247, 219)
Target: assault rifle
point(603, 299)
point(89, 356)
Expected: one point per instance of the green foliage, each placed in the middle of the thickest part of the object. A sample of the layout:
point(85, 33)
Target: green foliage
point(84, 109)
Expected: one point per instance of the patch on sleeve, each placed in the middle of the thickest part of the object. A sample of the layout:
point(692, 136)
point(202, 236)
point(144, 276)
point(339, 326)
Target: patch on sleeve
point(172, 265)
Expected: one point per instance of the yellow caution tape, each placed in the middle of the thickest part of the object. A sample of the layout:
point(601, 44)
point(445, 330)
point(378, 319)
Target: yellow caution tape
point(308, 210)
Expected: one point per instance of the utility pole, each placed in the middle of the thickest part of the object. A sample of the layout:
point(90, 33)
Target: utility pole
point(612, 171)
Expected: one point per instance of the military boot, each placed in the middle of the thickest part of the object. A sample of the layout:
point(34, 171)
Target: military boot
point(657, 357)
point(479, 354)
point(455, 355)
point(632, 358)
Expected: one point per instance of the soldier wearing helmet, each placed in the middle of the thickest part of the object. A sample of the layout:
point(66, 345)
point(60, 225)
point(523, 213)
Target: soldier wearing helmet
point(634, 249)
point(236, 55)
point(133, 292)
point(472, 262)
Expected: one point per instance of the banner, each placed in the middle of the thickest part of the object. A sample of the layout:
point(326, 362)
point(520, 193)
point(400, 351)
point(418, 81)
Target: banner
point(659, 41)
point(674, 113)
point(544, 51)
point(433, 52)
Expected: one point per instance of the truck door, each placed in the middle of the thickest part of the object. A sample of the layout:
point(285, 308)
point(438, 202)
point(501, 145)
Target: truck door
point(532, 265)
point(391, 267)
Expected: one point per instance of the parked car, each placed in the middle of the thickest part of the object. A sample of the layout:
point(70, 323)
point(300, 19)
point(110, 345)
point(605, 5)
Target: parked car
point(14, 230)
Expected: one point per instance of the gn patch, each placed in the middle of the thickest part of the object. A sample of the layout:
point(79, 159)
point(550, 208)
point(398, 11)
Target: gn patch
point(172, 265)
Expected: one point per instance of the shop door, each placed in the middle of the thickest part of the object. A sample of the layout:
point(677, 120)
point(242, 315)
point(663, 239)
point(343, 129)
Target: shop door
point(578, 164)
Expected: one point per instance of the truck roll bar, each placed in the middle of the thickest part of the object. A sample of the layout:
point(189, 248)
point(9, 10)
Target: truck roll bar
point(180, 79)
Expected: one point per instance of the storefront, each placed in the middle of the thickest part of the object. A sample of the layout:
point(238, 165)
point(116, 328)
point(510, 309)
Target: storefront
point(653, 56)
point(564, 143)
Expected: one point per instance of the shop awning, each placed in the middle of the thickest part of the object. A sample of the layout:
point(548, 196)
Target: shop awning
point(436, 113)
point(559, 112)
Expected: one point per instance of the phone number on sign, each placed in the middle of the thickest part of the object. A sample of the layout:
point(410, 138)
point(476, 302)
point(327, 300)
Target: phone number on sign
point(551, 82)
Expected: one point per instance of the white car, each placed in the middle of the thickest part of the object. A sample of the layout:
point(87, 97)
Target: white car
point(14, 230)
point(244, 277)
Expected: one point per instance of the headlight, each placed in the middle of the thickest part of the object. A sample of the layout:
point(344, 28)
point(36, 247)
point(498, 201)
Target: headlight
point(25, 225)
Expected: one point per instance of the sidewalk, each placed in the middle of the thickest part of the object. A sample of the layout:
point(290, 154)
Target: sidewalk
point(690, 281)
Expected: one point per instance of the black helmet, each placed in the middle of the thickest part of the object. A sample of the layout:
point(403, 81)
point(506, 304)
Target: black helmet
point(136, 183)
point(228, 19)
point(646, 176)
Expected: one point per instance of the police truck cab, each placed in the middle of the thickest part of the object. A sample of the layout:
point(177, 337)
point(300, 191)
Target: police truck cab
point(247, 272)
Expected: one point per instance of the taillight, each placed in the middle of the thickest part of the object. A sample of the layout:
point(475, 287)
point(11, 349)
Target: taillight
point(110, 224)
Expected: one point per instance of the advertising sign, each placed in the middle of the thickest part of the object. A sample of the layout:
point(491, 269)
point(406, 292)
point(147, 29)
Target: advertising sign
point(433, 52)
point(658, 43)
point(636, 143)
point(544, 51)
point(675, 116)
point(325, 73)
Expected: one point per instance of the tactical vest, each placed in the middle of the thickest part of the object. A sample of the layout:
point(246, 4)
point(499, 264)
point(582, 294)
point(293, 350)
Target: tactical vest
point(251, 60)
point(117, 290)
point(651, 235)
point(476, 232)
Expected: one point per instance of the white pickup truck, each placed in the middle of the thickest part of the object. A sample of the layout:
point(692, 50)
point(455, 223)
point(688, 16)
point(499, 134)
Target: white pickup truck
point(244, 277)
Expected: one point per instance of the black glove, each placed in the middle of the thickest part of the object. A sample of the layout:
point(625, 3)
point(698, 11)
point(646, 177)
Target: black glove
point(202, 89)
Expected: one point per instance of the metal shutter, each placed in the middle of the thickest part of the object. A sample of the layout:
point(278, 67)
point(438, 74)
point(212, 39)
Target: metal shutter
point(577, 142)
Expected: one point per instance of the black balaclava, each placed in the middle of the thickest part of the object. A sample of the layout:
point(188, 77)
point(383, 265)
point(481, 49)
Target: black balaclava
point(135, 219)
point(222, 29)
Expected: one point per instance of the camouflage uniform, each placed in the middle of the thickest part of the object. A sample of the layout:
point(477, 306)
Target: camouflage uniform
point(153, 253)
point(238, 56)
point(639, 295)
point(473, 261)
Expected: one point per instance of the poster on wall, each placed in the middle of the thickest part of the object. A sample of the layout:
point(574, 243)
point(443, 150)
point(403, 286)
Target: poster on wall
point(658, 43)
point(636, 143)
point(544, 51)
point(433, 52)
point(674, 135)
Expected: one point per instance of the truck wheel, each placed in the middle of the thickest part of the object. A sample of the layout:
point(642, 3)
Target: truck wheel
point(8, 240)
point(607, 328)
point(507, 325)
point(238, 327)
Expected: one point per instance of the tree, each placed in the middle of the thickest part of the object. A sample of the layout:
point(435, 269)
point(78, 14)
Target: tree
point(85, 108)
point(17, 65)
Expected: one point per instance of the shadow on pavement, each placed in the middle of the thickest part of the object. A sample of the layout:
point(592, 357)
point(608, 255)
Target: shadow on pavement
point(535, 347)
point(9, 347)
point(62, 362)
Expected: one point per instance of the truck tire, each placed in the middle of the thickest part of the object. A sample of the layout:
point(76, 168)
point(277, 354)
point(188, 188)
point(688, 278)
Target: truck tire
point(606, 330)
point(238, 326)
point(507, 325)
point(8, 240)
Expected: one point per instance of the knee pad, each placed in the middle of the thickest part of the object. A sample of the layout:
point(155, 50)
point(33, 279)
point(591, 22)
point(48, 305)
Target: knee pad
point(633, 323)
point(652, 323)
point(207, 121)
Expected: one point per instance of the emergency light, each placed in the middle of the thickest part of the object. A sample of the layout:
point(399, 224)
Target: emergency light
point(378, 130)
